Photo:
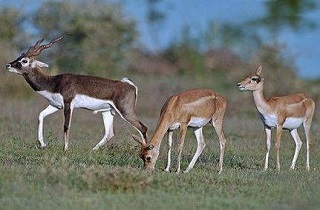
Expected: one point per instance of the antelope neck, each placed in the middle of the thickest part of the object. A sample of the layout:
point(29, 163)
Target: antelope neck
point(259, 100)
point(38, 80)
point(161, 130)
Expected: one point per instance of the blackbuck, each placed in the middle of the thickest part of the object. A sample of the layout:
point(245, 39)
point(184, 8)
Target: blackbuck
point(70, 91)
point(193, 108)
point(285, 112)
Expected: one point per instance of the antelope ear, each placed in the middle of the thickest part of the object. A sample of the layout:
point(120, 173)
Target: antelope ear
point(40, 64)
point(258, 70)
point(137, 139)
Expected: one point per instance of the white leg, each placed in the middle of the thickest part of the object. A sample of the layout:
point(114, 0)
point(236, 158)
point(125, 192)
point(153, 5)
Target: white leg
point(108, 125)
point(47, 111)
point(297, 140)
point(278, 143)
point(200, 146)
point(307, 126)
point(268, 145)
point(170, 133)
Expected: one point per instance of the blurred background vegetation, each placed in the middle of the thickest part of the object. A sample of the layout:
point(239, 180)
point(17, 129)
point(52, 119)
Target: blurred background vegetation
point(102, 40)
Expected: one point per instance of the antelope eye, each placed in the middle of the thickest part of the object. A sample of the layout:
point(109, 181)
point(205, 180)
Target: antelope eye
point(24, 61)
point(254, 79)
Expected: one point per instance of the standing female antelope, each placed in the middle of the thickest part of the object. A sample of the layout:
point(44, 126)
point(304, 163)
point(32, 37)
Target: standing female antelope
point(192, 108)
point(286, 112)
point(70, 91)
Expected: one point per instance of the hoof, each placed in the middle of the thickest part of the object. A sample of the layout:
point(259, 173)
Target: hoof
point(95, 148)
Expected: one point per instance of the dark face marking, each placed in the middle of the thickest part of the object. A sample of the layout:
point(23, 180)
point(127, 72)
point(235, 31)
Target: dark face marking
point(256, 79)
point(149, 156)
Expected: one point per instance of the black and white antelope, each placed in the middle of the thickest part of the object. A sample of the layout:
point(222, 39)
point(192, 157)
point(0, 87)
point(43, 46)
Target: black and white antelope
point(70, 91)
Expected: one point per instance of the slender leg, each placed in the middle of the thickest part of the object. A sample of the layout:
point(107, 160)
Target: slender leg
point(170, 133)
point(307, 126)
point(67, 121)
point(183, 130)
point(277, 146)
point(268, 145)
point(222, 140)
point(298, 142)
point(130, 116)
point(108, 125)
point(47, 111)
point(200, 146)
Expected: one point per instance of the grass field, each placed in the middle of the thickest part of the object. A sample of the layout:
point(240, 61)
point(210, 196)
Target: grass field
point(112, 178)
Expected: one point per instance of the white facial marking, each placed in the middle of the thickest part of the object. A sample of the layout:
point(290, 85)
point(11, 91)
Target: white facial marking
point(24, 61)
point(241, 87)
point(13, 70)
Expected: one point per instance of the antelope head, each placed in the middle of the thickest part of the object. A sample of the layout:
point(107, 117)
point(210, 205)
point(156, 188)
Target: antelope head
point(252, 82)
point(25, 61)
point(148, 153)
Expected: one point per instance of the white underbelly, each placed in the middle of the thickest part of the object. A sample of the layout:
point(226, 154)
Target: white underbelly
point(198, 122)
point(80, 101)
point(290, 123)
point(194, 122)
point(86, 102)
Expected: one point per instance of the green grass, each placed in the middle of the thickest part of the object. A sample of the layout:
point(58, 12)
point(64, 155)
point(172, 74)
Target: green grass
point(112, 178)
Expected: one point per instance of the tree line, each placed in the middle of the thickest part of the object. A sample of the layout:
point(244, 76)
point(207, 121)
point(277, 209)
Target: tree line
point(102, 40)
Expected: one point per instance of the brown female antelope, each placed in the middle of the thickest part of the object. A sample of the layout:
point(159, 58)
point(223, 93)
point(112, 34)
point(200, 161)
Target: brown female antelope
point(70, 91)
point(286, 112)
point(193, 108)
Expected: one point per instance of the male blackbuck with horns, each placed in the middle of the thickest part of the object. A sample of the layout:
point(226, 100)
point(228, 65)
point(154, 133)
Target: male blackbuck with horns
point(286, 112)
point(192, 108)
point(70, 91)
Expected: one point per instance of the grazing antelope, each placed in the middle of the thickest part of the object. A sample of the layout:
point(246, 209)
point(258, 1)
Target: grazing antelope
point(286, 112)
point(70, 91)
point(192, 108)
